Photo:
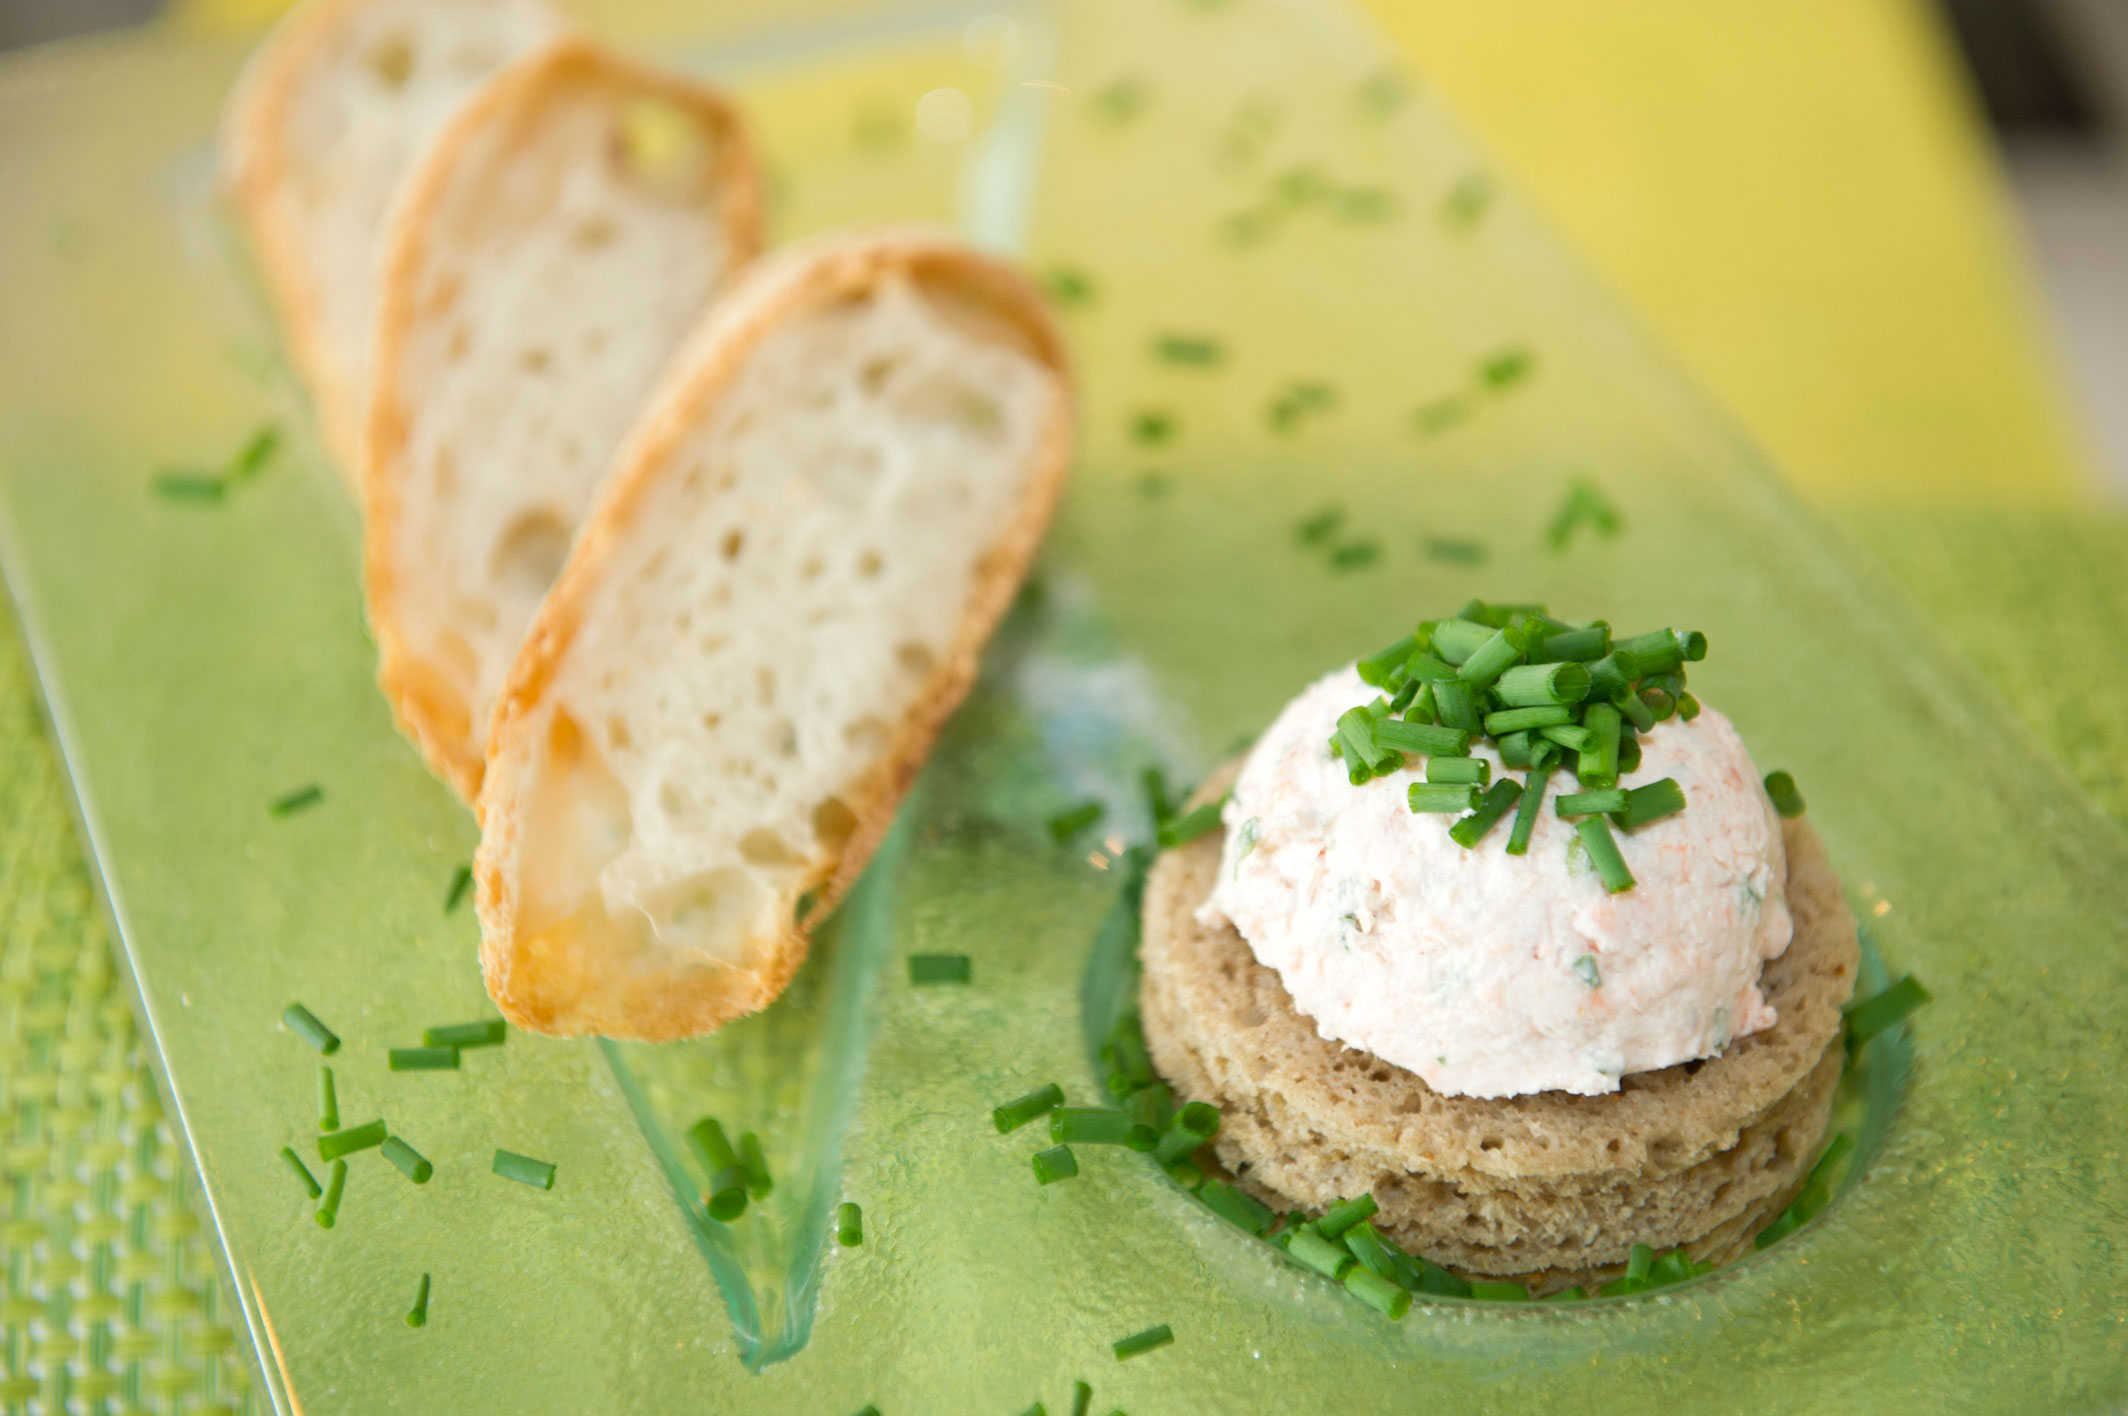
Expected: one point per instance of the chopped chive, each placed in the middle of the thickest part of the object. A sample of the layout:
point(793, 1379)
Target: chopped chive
point(1133, 1064)
point(1518, 838)
point(1121, 100)
point(1355, 554)
point(1038, 1409)
point(1491, 659)
point(1872, 1015)
point(1406, 696)
point(1595, 835)
point(1467, 201)
point(1067, 824)
point(1377, 1292)
point(524, 1170)
point(1586, 969)
point(1661, 651)
point(297, 800)
point(1516, 720)
point(1018, 1112)
point(1499, 799)
point(1153, 426)
point(868, 1411)
point(1507, 368)
point(355, 1138)
point(1457, 706)
point(1082, 1398)
point(187, 486)
point(1427, 796)
point(1608, 680)
point(1368, 1246)
point(1308, 1248)
point(411, 1163)
point(1499, 1292)
point(1429, 1277)
point(488, 1032)
point(1786, 799)
point(1432, 670)
point(1470, 771)
point(1344, 1214)
point(1428, 739)
point(1600, 801)
point(422, 1059)
point(1652, 803)
point(727, 1174)
point(1157, 801)
point(1672, 1267)
point(1585, 505)
point(1628, 753)
point(1687, 707)
point(328, 1101)
point(1458, 552)
point(1195, 350)
point(1514, 749)
point(927, 969)
point(1639, 1260)
point(1542, 685)
point(1376, 668)
point(759, 1183)
point(1356, 739)
point(304, 1024)
point(849, 1224)
point(1320, 527)
point(1574, 738)
point(1237, 1207)
point(1438, 415)
point(1069, 287)
point(1099, 1126)
point(1056, 1163)
point(461, 881)
point(1455, 640)
point(1637, 708)
point(335, 1187)
point(1581, 646)
point(1140, 1343)
point(1543, 754)
point(1821, 1173)
point(418, 1315)
point(1185, 1173)
point(1599, 758)
point(1661, 706)
point(295, 1163)
point(1565, 1295)
point(1151, 1106)
point(1183, 829)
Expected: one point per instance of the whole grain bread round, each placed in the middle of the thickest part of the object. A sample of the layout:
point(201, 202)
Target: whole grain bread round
point(1552, 1183)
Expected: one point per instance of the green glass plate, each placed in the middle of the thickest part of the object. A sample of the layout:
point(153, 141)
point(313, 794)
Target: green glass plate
point(1294, 288)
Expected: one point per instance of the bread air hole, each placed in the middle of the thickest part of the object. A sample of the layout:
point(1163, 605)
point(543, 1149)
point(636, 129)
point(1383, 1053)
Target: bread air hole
point(869, 565)
point(530, 552)
point(866, 734)
point(714, 912)
point(914, 657)
point(834, 823)
point(593, 234)
point(762, 846)
point(535, 361)
point(391, 63)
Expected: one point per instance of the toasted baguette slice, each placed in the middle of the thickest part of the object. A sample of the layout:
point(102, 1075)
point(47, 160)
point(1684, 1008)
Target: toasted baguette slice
point(774, 606)
point(558, 239)
point(324, 124)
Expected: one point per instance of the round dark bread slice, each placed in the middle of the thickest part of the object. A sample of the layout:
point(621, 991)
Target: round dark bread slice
point(1552, 1186)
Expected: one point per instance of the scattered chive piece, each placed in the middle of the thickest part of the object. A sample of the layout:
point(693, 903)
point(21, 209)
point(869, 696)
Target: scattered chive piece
point(1639, 1260)
point(1516, 720)
point(1585, 504)
point(1193, 1125)
point(1652, 803)
point(187, 486)
point(1377, 1292)
point(1237, 1207)
point(1586, 970)
point(1082, 1398)
point(1017, 1113)
point(1786, 799)
point(926, 969)
point(295, 1163)
point(1600, 801)
point(524, 1170)
point(1595, 834)
point(461, 881)
point(1499, 799)
point(868, 1411)
point(1507, 368)
point(347, 1142)
point(1183, 829)
point(422, 1059)
point(1068, 286)
point(1195, 350)
point(1427, 796)
point(1872, 1015)
point(1370, 1249)
point(849, 1224)
point(1463, 771)
point(1499, 1292)
point(1056, 1163)
point(1599, 758)
point(1312, 1250)
point(1543, 685)
point(1344, 1214)
point(1355, 554)
point(1153, 426)
point(759, 1183)
point(418, 1315)
point(1564, 1295)
point(412, 1164)
point(727, 1175)
point(1038, 1409)
point(335, 1187)
point(328, 1100)
point(488, 1032)
point(1429, 739)
point(297, 800)
point(1140, 1343)
point(304, 1024)
point(1316, 529)
point(1134, 1065)
point(1459, 552)
point(1157, 800)
point(1518, 838)
point(1099, 1126)
point(1066, 824)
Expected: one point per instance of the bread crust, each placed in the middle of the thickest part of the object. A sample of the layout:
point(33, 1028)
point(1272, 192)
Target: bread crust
point(256, 167)
point(426, 712)
point(811, 275)
point(1552, 1188)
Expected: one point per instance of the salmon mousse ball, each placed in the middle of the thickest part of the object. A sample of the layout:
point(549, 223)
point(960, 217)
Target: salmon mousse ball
point(1490, 974)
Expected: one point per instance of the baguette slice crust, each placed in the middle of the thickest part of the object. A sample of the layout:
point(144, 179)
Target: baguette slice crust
point(556, 242)
point(328, 117)
point(775, 605)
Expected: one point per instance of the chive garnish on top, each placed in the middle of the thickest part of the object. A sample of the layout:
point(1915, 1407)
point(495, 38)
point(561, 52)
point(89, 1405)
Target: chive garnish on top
point(1140, 1343)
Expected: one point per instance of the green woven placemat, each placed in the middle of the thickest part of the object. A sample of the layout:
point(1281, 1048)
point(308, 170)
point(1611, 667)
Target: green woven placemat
point(114, 1298)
